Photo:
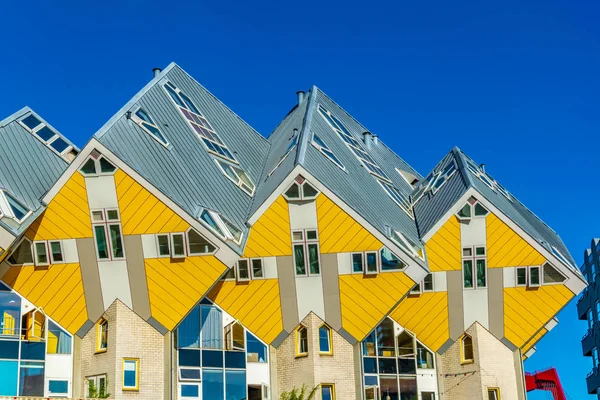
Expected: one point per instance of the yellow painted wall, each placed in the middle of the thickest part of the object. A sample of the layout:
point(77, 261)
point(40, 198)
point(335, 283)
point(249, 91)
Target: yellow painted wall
point(426, 316)
point(507, 249)
point(67, 215)
point(444, 249)
point(528, 310)
point(174, 287)
point(366, 299)
point(340, 233)
point(271, 236)
point(533, 341)
point(142, 212)
point(57, 289)
point(256, 304)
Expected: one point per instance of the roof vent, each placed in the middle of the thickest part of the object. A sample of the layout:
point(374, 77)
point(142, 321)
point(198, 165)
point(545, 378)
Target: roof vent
point(156, 71)
point(300, 95)
point(368, 138)
point(482, 168)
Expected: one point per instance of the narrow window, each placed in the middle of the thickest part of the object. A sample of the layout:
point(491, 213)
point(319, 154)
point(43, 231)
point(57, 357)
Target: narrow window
point(131, 374)
point(522, 276)
point(416, 289)
point(534, 276)
point(323, 148)
point(424, 357)
point(56, 252)
point(177, 245)
point(41, 253)
point(243, 270)
point(327, 392)
point(101, 242)
point(116, 241)
point(371, 261)
point(108, 234)
point(145, 121)
point(468, 274)
point(18, 210)
point(481, 273)
point(357, 262)
point(235, 337)
point(466, 347)
point(163, 245)
point(306, 252)
point(102, 336)
point(257, 268)
point(299, 260)
point(230, 274)
point(493, 394)
point(301, 341)
point(325, 342)
point(474, 267)
point(428, 283)
point(595, 357)
point(237, 176)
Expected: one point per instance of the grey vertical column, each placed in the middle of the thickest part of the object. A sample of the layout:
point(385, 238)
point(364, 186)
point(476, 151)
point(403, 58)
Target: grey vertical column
point(136, 271)
point(287, 294)
point(456, 316)
point(168, 366)
point(90, 275)
point(496, 301)
point(77, 381)
point(331, 290)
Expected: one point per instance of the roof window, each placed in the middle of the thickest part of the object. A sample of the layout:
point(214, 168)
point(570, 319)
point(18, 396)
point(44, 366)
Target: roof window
point(221, 226)
point(399, 198)
point(237, 176)
point(487, 179)
point(434, 181)
point(300, 189)
point(146, 122)
point(49, 137)
point(291, 146)
point(409, 177)
point(323, 148)
point(203, 129)
point(12, 208)
point(411, 247)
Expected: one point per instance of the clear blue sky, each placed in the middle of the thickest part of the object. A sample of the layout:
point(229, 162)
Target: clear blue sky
point(516, 87)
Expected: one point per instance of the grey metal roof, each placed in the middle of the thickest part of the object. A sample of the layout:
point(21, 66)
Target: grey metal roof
point(28, 168)
point(185, 172)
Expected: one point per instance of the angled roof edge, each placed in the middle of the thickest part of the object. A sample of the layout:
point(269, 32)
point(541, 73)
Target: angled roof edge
point(462, 167)
point(225, 253)
point(306, 125)
point(16, 115)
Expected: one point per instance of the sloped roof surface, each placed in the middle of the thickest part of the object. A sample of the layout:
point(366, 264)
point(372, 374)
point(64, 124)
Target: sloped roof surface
point(185, 171)
point(28, 168)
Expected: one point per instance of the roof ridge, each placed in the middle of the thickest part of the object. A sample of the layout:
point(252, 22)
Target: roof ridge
point(306, 124)
point(12, 117)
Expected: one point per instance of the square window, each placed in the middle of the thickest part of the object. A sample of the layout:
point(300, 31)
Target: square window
point(98, 216)
point(297, 236)
point(467, 252)
point(311, 235)
point(112, 215)
point(480, 251)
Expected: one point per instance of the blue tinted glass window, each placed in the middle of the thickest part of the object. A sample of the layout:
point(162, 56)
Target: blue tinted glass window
point(370, 365)
point(9, 349)
point(59, 341)
point(206, 217)
point(371, 380)
point(326, 392)
point(212, 328)
point(387, 365)
point(45, 133)
point(189, 358)
point(212, 358)
point(10, 315)
point(58, 387)
point(9, 371)
point(324, 339)
point(188, 333)
point(31, 379)
point(175, 96)
point(33, 350)
point(212, 384)
point(129, 374)
point(235, 359)
point(31, 121)
point(59, 145)
point(257, 352)
point(189, 391)
point(235, 385)
point(407, 366)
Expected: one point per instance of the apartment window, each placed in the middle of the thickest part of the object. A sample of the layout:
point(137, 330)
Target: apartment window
point(472, 209)
point(58, 388)
point(108, 234)
point(327, 391)
point(590, 318)
point(595, 357)
point(221, 226)
point(325, 340)
point(371, 262)
point(357, 262)
point(424, 357)
point(56, 252)
point(59, 341)
point(306, 252)
point(188, 374)
point(390, 261)
point(23, 254)
point(493, 394)
point(178, 245)
point(235, 337)
point(198, 244)
point(534, 276)
point(598, 310)
point(466, 349)
point(530, 276)
point(522, 276)
point(301, 341)
point(247, 269)
point(49, 137)
point(426, 285)
point(41, 253)
point(96, 164)
point(237, 176)
point(163, 245)
point(474, 267)
point(301, 190)
point(243, 270)
point(145, 121)
point(131, 379)
point(292, 144)
point(13, 208)
point(551, 275)
point(96, 386)
point(410, 246)
point(323, 148)
point(257, 268)
point(102, 336)
point(427, 395)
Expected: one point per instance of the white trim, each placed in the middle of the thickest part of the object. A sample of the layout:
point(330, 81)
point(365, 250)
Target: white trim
point(138, 121)
point(237, 270)
point(51, 254)
point(172, 237)
point(36, 254)
point(158, 255)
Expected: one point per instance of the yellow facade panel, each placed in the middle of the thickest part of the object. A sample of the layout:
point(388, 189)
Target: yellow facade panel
point(174, 287)
point(527, 310)
point(366, 300)
point(533, 341)
point(426, 316)
point(444, 249)
point(340, 233)
point(142, 212)
point(270, 236)
point(256, 304)
point(56, 289)
point(67, 216)
point(505, 248)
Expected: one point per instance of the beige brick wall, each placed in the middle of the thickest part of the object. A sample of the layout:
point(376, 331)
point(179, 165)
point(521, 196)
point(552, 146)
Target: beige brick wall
point(131, 337)
point(337, 369)
point(493, 366)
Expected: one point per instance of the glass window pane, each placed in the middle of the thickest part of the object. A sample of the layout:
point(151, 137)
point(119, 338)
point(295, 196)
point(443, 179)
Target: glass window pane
point(101, 244)
point(210, 221)
point(521, 276)
point(31, 379)
point(388, 366)
point(313, 258)
point(56, 250)
point(370, 365)
point(18, 210)
point(551, 274)
point(163, 245)
point(188, 332)
point(198, 244)
point(368, 345)
point(298, 235)
point(468, 273)
point(58, 387)
point(390, 262)
point(89, 167)
point(480, 210)
point(59, 144)
point(324, 343)
point(406, 344)
point(465, 212)
point(190, 390)
point(534, 276)
point(129, 374)
point(407, 366)
point(243, 270)
point(481, 271)
point(212, 358)
point(326, 392)
point(41, 254)
point(235, 385)
point(424, 357)
point(257, 351)
point(408, 388)
point(212, 384)
point(189, 373)
point(386, 340)
point(59, 341)
point(116, 241)
point(389, 387)
point(299, 260)
point(308, 190)
point(22, 254)
point(45, 133)
point(105, 166)
point(428, 282)
point(257, 269)
point(31, 121)
point(357, 262)
point(371, 262)
point(10, 317)
point(212, 328)
point(293, 192)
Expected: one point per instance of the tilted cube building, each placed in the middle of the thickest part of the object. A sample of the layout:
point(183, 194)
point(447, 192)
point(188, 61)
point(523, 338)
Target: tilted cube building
point(182, 255)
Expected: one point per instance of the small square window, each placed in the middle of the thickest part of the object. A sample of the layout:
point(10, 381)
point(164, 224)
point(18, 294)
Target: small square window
point(112, 215)
point(467, 252)
point(311, 235)
point(480, 251)
point(97, 216)
point(298, 235)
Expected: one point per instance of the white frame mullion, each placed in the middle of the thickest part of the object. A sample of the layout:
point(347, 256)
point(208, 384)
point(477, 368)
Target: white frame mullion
point(172, 245)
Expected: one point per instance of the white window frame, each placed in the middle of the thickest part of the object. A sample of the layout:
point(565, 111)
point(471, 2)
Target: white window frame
point(262, 267)
point(419, 288)
point(96, 379)
point(539, 268)
point(306, 243)
point(189, 250)
point(237, 270)
point(474, 258)
point(188, 379)
point(407, 245)
point(35, 254)
point(517, 277)
point(320, 148)
point(138, 121)
point(97, 166)
point(19, 243)
point(291, 146)
point(301, 196)
point(106, 224)
point(377, 262)
point(227, 235)
point(158, 255)
point(70, 147)
point(62, 251)
point(172, 237)
point(240, 183)
point(6, 209)
point(407, 207)
point(58, 394)
point(543, 280)
point(362, 257)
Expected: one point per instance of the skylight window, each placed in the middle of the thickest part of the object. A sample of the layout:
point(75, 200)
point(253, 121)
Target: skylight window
point(12, 208)
point(400, 198)
point(145, 121)
point(407, 244)
point(323, 148)
point(561, 257)
point(434, 181)
point(49, 137)
point(207, 134)
point(221, 226)
point(237, 176)
point(487, 179)
point(289, 149)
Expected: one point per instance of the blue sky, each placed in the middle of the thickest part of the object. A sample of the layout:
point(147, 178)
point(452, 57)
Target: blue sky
point(515, 87)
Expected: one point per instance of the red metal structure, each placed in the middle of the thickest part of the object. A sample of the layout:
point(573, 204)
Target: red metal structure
point(545, 380)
